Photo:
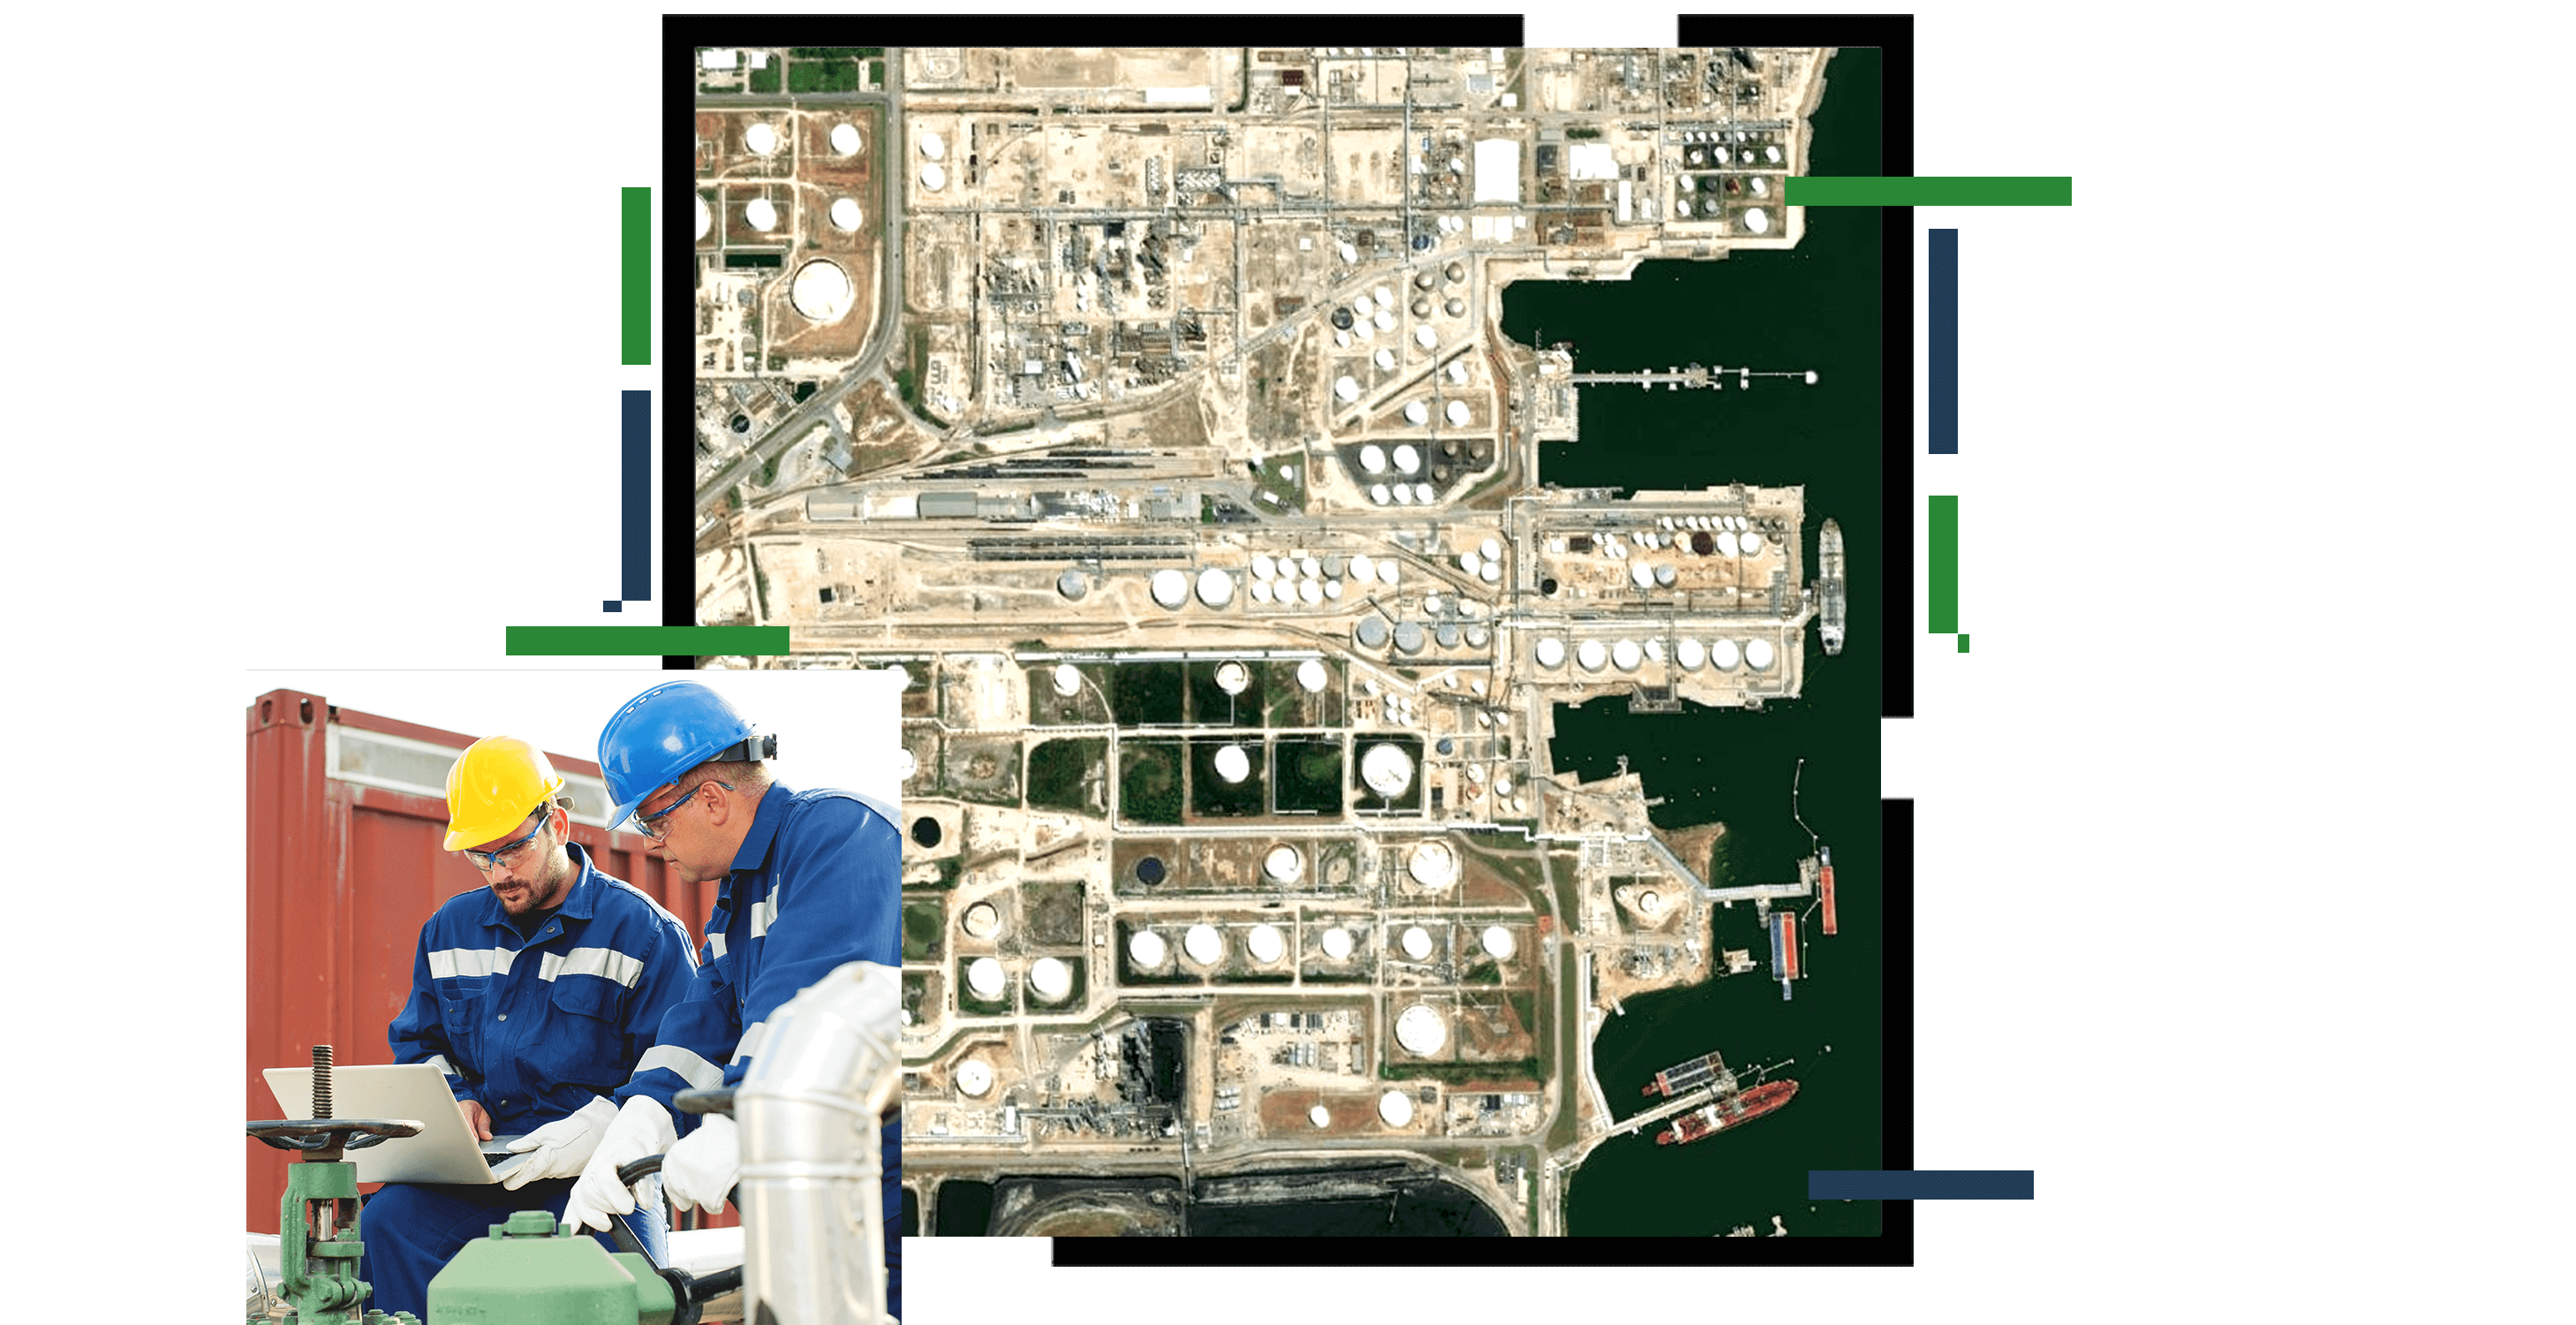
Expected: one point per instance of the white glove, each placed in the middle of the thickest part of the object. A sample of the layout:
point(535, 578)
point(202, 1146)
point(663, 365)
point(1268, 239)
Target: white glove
point(701, 1168)
point(558, 1149)
point(642, 1128)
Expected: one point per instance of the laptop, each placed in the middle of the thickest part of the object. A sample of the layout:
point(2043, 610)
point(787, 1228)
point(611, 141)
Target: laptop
point(444, 1151)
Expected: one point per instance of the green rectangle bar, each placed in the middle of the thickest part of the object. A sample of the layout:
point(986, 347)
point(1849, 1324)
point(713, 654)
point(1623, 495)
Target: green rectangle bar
point(643, 641)
point(635, 272)
point(1929, 191)
point(1963, 642)
point(1945, 565)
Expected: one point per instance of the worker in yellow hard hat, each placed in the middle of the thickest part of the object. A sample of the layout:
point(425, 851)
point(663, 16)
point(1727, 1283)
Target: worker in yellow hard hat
point(536, 993)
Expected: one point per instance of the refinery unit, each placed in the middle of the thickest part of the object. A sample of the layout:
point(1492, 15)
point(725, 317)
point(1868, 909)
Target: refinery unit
point(1160, 426)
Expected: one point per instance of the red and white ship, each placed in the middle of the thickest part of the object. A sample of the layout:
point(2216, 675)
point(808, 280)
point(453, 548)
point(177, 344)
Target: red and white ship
point(1729, 1111)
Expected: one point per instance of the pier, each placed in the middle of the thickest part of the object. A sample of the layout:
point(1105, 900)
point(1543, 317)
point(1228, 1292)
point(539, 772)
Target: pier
point(1695, 377)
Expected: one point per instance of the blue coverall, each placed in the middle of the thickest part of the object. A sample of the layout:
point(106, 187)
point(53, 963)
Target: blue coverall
point(532, 1030)
point(815, 886)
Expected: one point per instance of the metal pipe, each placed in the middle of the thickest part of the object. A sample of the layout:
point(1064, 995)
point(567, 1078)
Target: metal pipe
point(811, 1186)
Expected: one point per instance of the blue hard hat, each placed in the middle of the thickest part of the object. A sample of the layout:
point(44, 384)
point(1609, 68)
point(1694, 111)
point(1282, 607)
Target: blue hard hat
point(666, 731)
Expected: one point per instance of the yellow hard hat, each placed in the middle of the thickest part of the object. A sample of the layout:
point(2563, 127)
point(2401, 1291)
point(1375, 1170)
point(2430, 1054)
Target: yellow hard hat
point(494, 786)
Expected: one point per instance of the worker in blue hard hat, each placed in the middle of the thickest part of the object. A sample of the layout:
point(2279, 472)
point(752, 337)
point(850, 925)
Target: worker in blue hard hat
point(810, 881)
point(535, 993)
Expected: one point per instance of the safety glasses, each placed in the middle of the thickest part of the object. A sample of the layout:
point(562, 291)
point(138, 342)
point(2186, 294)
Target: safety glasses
point(508, 853)
point(653, 825)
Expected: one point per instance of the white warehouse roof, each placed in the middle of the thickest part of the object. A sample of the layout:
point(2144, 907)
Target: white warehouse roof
point(1498, 170)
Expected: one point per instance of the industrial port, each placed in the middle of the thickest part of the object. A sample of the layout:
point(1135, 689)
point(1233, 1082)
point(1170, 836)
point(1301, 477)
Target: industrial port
point(1150, 410)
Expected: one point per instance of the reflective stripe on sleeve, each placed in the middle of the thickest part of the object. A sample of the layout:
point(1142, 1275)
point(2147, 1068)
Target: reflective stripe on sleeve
point(715, 943)
point(696, 1071)
point(762, 913)
point(749, 1044)
point(448, 963)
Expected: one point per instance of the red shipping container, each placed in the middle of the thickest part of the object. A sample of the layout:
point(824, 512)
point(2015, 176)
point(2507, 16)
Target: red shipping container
point(347, 811)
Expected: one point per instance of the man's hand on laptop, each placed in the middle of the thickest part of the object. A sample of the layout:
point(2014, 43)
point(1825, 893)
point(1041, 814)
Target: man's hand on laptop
point(558, 1149)
point(476, 1121)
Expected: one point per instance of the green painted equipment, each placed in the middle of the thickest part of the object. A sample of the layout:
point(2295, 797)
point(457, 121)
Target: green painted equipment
point(317, 1223)
point(531, 1270)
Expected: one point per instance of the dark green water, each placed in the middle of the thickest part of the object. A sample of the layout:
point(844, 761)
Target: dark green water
point(1816, 307)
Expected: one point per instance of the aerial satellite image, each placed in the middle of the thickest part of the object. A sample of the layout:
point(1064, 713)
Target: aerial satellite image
point(1381, 545)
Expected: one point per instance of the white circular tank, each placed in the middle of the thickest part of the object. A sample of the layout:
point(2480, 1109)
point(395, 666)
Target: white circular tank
point(1422, 494)
point(1311, 676)
point(1551, 653)
point(1432, 864)
point(1457, 414)
point(1233, 677)
point(1492, 572)
point(1468, 562)
point(1723, 655)
point(1337, 944)
point(1727, 545)
point(1383, 320)
point(1756, 222)
point(845, 214)
point(1203, 945)
point(762, 214)
point(1216, 588)
point(1417, 413)
point(1498, 943)
point(984, 978)
point(1320, 1116)
point(1752, 542)
point(1641, 574)
point(1395, 1109)
point(1263, 567)
point(1233, 765)
point(931, 147)
point(1385, 297)
point(1421, 1030)
point(1261, 591)
point(1283, 864)
point(845, 139)
point(1758, 654)
point(1625, 655)
point(933, 177)
point(1591, 654)
point(1407, 460)
point(1309, 567)
point(822, 292)
point(1372, 456)
point(1417, 942)
point(706, 218)
point(1386, 572)
point(1426, 337)
point(761, 139)
point(1379, 494)
point(1650, 903)
point(1690, 653)
point(974, 1078)
point(1068, 679)
point(1051, 978)
point(1384, 359)
point(1386, 769)
point(1361, 306)
point(1458, 372)
point(1145, 948)
point(1171, 587)
point(1310, 591)
point(1265, 944)
point(1346, 388)
point(982, 920)
point(1491, 549)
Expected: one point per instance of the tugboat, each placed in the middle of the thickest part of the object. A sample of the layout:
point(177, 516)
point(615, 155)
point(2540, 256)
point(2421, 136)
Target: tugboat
point(1829, 585)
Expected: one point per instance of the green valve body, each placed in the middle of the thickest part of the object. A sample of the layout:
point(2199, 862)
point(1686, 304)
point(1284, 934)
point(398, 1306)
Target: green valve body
point(529, 1273)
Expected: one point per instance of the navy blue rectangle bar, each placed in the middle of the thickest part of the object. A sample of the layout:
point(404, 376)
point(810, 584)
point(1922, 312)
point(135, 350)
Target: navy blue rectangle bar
point(635, 505)
point(1919, 1185)
point(1945, 342)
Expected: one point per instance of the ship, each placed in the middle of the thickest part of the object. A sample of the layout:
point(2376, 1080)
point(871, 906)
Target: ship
point(1829, 585)
point(1784, 950)
point(1683, 1078)
point(1728, 1111)
point(1825, 883)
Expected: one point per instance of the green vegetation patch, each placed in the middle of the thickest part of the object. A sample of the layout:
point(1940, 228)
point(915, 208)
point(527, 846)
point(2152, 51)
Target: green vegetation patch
point(1279, 483)
point(925, 920)
point(1309, 771)
point(765, 78)
point(916, 995)
point(1149, 782)
point(1060, 773)
point(811, 75)
point(835, 52)
point(1142, 694)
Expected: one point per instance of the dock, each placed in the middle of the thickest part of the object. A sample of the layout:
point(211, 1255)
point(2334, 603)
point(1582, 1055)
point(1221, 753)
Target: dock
point(1694, 377)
